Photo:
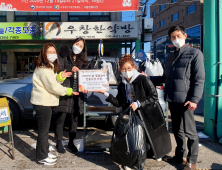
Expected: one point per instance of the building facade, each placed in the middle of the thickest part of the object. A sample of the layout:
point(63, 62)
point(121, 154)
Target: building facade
point(167, 13)
point(18, 56)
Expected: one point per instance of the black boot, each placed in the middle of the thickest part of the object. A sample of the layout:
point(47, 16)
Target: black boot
point(71, 145)
point(60, 147)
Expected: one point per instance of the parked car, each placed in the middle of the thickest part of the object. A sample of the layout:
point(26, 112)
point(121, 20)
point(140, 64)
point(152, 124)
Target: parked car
point(18, 93)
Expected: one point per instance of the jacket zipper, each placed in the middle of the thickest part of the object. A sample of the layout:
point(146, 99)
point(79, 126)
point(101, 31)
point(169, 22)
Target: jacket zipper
point(185, 83)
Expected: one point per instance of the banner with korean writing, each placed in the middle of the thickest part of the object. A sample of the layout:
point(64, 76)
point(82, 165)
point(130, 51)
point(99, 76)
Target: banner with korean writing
point(21, 31)
point(69, 5)
point(91, 30)
point(93, 80)
point(5, 118)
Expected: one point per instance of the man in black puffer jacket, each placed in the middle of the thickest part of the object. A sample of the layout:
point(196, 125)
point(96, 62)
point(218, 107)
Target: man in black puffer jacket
point(184, 78)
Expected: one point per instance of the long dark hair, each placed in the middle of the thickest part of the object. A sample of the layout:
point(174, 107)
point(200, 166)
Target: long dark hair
point(43, 60)
point(81, 57)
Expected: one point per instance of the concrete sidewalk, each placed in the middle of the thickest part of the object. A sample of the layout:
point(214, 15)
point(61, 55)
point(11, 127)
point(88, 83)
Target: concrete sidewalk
point(210, 154)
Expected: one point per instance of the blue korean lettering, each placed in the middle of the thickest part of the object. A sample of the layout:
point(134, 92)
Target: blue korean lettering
point(9, 29)
point(18, 30)
point(3, 113)
point(25, 30)
point(32, 30)
point(1, 30)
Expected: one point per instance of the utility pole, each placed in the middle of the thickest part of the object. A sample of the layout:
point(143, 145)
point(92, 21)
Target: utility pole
point(213, 68)
point(139, 19)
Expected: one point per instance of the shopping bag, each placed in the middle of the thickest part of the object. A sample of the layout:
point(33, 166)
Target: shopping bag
point(149, 68)
point(128, 146)
point(155, 70)
point(108, 66)
point(159, 68)
point(94, 63)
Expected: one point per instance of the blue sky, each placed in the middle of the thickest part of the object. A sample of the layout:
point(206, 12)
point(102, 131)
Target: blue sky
point(130, 16)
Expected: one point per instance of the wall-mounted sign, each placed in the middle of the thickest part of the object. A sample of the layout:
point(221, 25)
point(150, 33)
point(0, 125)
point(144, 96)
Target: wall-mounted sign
point(141, 55)
point(68, 30)
point(4, 58)
point(90, 30)
point(69, 5)
point(21, 30)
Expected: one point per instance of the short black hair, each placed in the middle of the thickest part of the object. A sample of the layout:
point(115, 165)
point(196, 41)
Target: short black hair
point(176, 28)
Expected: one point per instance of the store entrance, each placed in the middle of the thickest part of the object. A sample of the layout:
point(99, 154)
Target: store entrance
point(26, 62)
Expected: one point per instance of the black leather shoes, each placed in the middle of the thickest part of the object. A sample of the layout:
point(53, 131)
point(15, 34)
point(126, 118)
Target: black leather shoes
point(60, 147)
point(176, 160)
point(73, 148)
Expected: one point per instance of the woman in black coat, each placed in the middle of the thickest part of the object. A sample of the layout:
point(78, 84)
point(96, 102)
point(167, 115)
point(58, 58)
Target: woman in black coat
point(138, 92)
point(73, 105)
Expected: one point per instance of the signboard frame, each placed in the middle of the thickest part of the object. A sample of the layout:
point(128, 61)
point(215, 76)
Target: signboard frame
point(93, 78)
point(91, 30)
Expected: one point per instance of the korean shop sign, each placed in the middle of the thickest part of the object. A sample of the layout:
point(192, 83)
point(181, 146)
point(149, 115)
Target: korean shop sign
point(20, 31)
point(69, 5)
point(91, 30)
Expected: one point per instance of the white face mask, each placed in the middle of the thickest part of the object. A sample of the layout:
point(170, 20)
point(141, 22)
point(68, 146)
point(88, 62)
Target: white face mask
point(128, 74)
point(52, 57)
point(76, 49)
point(179, 42)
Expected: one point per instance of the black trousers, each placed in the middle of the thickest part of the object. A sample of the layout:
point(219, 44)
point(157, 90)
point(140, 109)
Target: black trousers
point(43, 115)
point(73, 122)
point(183, 124)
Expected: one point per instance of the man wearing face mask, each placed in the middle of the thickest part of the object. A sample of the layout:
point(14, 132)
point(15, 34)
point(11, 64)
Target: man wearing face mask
point(184, 78)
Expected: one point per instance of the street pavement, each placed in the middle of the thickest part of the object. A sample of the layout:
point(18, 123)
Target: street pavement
point(210, 152)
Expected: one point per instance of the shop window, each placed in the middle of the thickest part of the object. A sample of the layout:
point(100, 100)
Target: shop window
point(78, 13)
point(99, 13)
point(162, 7)
point(194, 36)
point(89, 16)
point(49, 13)
point(173, 1)
point(162, 22)
point(191, 9)
point(154, 28)
point(26, 63)
point(154, 13)
point(2, 16)
point(175, 17)
point(37, 16)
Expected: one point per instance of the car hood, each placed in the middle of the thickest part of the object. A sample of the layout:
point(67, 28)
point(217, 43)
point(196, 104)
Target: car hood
point(10, 81)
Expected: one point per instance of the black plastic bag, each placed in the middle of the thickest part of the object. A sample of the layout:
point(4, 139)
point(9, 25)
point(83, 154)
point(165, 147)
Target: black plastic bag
point(117, 73)
point(95, 63)
point(142, 66)
point(128, 146)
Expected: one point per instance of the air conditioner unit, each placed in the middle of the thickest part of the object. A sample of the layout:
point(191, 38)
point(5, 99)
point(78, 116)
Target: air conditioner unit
point(148, 23)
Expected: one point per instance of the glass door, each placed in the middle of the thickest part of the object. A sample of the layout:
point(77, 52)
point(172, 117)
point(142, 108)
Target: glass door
point(26, 64)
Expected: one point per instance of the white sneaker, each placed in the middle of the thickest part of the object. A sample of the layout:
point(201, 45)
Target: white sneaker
point(127, 168)
point(52, 156)
point(160, 159)
point(48, 161)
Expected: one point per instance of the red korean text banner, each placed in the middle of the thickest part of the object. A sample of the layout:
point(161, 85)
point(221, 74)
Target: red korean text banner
point(69, 5)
